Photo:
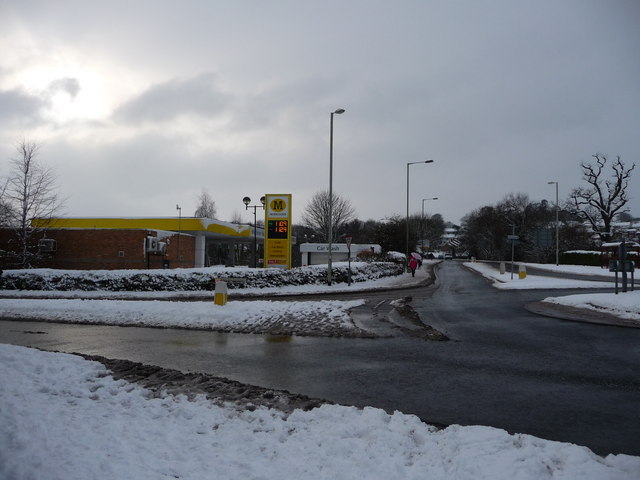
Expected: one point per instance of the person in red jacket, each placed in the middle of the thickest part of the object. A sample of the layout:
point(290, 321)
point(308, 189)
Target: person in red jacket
point(413, 264)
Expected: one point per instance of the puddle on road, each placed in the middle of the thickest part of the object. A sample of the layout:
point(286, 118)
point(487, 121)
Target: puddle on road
point(278, 338)
point(192, 339)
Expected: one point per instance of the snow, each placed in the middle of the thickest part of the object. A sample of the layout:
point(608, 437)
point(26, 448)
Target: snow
point(576, 269)
point(64, 417)
point(505, 282)
point(624, 305)
point(256, 316)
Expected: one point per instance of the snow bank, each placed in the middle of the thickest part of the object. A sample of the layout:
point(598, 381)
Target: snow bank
point(586, 270)
point(63, 417)
point(193, 279)
point(505, 282)
point(324, 317)
point(624, 305)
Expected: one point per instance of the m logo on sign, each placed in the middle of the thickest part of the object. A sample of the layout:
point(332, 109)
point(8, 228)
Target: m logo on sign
point(278, 205)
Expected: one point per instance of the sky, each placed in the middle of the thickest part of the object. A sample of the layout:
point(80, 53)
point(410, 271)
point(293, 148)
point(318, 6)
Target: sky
point(140, 106)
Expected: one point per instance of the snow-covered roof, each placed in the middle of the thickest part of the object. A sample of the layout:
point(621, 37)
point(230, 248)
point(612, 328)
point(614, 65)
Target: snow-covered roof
point(617, 244)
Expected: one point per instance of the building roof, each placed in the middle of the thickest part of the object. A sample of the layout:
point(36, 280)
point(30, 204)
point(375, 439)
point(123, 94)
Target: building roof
point(197, 226)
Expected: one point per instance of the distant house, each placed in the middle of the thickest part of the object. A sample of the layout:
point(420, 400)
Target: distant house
point(318, 253)
point(611, 251)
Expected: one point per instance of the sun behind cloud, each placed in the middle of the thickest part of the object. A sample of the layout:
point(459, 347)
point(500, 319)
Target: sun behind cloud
point(75, 94)
point(69, 86)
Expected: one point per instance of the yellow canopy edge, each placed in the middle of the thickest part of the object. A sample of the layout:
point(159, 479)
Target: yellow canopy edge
point(171, 224)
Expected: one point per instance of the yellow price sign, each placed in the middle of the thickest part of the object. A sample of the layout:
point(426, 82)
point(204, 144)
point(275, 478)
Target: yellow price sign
point(277, 240)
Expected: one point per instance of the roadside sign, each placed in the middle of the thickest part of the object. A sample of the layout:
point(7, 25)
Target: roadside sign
point(513, 237)
point(277, 241)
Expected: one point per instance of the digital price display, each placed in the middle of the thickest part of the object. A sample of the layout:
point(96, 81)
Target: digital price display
point(278, 229)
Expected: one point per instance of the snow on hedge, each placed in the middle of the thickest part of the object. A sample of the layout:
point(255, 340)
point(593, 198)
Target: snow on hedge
point(193, 279)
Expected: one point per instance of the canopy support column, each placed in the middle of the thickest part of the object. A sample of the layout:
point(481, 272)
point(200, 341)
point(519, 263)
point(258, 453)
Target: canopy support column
point(200, 251)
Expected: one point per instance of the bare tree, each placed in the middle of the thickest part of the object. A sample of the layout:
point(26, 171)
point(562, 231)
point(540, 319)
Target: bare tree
point(605, 196)
point(206, 207)
point(5, 208)
point(31, 193)
point(236, 218)
point(316, 213)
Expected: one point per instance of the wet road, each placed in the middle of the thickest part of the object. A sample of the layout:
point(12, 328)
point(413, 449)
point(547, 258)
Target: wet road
point(504, 366)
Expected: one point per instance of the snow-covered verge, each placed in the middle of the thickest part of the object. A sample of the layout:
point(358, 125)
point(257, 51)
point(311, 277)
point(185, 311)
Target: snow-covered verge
point(574, 269)
point(193, 279)
point(624, 305)
point(313, 318)
point(505, 281)
point(63, 417)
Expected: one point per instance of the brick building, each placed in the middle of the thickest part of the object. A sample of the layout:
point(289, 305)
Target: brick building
point(131, 243)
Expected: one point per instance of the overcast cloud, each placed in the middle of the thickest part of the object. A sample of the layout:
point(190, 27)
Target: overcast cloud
point(141, 105)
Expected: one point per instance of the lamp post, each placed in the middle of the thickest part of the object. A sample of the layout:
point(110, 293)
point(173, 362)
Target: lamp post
point(247, 201)
point(422, 224)
point(407, 245)
point(557, 225)
point(339, 111)
point(348, 238)
point(179, 208)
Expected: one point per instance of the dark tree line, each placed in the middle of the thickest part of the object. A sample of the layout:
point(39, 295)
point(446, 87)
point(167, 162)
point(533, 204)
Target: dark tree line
point(486, 230)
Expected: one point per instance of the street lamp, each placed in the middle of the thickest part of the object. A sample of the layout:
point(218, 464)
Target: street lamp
point(557, 225)
point(407, 249)
point(247, 201)
point(422, 224)
point(339, 111)
point(179, 208)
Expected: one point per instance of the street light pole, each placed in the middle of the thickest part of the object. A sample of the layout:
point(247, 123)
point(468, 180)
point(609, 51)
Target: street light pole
point(339, 111)
point(422, 224)
point(179, 208)
point(407, 245)
point(557, 225)
point(247, 201)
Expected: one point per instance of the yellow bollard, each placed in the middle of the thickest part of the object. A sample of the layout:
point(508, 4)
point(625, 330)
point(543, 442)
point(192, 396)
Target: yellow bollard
point(522, 271)
point(220, 296)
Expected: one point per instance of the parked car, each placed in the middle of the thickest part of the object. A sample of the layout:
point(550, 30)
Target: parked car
point(448, 256)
